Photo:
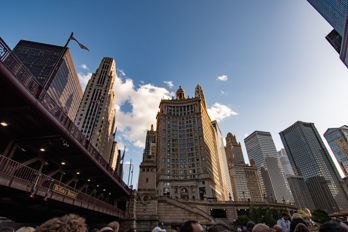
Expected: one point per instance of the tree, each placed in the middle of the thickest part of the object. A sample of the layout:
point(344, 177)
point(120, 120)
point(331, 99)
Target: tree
point(241, 220)
point(265, 215)
point(320, 216)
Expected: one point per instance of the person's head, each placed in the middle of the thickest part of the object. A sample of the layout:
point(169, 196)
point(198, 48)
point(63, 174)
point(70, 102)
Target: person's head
point(106, 229)
point(71, 223)
point(332, 226)
point(278, 228)
point(296, 216)
point(191, 226)
point(300, 227)
point(6, 229)
point(26, 229)
point(262, 228)
point(114, 225)
point(134, 230)
point(157, 229)
point(285, 216)
point(213, 228)
point(249, 226)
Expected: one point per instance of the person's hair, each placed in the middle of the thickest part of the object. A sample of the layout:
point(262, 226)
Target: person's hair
point(114, 225)
point(213, 228)
point(187, 226)
point(6, 229)
point(131, 230)
point(67, 223)
point(300, 227)
point(26, 229)
point(296, 216)
point(285, 214)
point(260, 227)
point(332, 226)
point(278, 228)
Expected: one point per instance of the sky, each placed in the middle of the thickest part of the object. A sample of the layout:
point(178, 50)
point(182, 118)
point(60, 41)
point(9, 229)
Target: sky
point(263, 65)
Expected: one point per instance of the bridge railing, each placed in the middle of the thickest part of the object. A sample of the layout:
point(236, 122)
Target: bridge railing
point(17, 172)
point(18, 69)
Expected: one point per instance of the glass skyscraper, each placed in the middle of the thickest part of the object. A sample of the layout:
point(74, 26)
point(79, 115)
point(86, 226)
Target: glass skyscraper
point(63, 86)
point(261, 149)
point(336, 13)
point(311, 160)
point(338, 141)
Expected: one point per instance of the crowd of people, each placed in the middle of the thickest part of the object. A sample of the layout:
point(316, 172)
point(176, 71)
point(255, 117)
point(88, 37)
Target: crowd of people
point(297, 224)
point(75, 223)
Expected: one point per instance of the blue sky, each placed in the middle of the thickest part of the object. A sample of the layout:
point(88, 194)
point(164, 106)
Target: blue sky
point(272, 56)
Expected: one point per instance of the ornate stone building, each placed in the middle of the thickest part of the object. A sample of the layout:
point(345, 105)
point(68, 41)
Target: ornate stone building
point(182, 176)
point(188, 155)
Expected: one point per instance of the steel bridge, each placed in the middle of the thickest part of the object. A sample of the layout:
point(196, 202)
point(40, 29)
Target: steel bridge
point(47, 166)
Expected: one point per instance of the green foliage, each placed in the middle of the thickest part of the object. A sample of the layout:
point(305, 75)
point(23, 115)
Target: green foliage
point(241, 220)
point(265, 215)
point(320, 216)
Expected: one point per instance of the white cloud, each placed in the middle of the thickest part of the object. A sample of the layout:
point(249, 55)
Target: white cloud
point(126, 163)
point(219, 112)
point(222, 92)
point(84, 79)
point(145, 99)
point(84, 67)
point(121, 72)
point(169, 83)
point(222, 78)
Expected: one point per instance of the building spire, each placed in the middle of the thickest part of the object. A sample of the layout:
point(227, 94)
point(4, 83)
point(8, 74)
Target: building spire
point(199, 93)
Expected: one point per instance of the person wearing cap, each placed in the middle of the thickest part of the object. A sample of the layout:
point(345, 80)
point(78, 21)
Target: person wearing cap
point(158, 229)
point(284, 222)
point(249, 226)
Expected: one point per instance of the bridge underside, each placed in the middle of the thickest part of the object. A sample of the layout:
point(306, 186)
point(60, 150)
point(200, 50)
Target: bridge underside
point(41, 148)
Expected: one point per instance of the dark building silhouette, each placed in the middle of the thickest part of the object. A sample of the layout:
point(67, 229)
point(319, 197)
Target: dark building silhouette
point(62, 84)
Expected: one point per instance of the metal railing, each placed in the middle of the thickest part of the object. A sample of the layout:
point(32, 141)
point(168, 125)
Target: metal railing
point(19, 173)
point(18, 69)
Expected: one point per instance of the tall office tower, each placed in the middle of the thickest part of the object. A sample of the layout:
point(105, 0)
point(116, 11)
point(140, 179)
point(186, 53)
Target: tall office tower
point(284, 160)
point(96, 114)
point(300, 192)
point(188, 165)
point(63, 85)
point(309, 158)
point(226, 181)
point(260, 148)
point(233, 150)
point(337, 138)
point(246, 182)
point(336, 14)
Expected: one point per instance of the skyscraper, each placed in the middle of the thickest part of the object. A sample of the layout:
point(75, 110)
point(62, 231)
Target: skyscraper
point(309, 158)
point(226, 181)
point(338, 141)
point(336, 14)
point(188, 162)
point(284, 160)
point(63, 85)
point(96, 114)
point(261, 149)
point(300, 192)
point(234, 150)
